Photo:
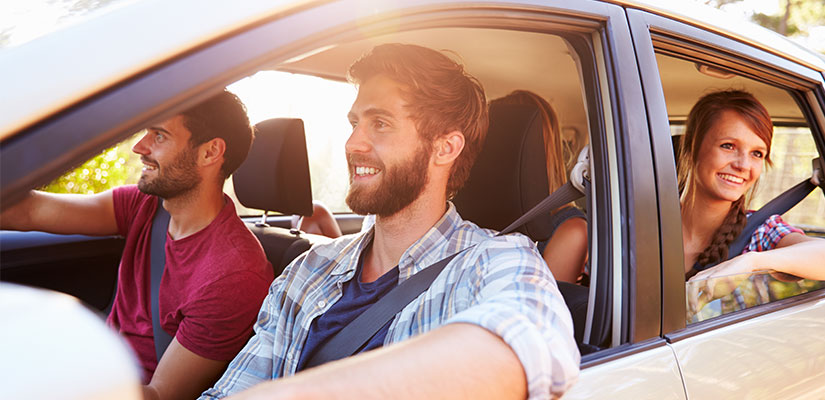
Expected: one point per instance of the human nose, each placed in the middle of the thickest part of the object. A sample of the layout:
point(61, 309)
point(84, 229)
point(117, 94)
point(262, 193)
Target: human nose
point(142, 146)
point(358, 141)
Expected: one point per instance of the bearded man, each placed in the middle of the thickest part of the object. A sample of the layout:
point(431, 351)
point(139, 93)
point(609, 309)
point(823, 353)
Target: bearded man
point(216, 273)
point(492, 325)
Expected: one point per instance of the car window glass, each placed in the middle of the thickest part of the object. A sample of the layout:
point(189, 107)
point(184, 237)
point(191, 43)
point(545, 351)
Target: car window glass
point(322, 104)
point(792, 149)
point(714, 297)
point(115, 166)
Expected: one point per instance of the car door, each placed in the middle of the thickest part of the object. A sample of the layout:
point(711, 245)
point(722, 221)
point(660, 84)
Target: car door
point(773, 350)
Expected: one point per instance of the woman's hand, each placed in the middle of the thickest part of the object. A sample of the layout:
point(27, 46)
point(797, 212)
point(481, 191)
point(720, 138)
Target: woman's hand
point(741, 264)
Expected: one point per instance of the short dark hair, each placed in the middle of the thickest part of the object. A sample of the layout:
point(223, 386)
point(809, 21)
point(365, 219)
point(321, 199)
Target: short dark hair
point(441, 95)
point(221, 116)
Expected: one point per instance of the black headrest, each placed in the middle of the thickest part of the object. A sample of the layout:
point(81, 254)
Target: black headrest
point(275, 174)
point(509, 176)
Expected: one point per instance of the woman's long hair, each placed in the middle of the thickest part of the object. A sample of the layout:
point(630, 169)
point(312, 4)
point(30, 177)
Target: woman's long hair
point(704, 114)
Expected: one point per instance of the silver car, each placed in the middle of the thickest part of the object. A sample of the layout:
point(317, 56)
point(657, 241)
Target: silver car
point(622, 75)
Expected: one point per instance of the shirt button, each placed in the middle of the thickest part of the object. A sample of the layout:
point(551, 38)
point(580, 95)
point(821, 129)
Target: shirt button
point(321, 304)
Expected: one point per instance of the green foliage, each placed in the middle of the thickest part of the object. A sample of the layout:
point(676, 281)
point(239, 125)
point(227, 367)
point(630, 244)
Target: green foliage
point(773, 22)
point(113, 167)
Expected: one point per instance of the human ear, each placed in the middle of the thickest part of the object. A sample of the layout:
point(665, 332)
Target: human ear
point(448, 147)
point(211, 152)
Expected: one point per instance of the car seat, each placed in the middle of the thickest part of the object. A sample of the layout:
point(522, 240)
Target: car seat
point(509, 178)
point(275, 177)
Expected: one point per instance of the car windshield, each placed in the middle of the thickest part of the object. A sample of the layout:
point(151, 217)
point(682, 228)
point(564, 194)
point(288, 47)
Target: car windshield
point(713, 297)
point(22, 21)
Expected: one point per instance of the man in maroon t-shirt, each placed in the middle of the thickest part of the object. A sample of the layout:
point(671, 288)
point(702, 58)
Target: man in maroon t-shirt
point(216, 273)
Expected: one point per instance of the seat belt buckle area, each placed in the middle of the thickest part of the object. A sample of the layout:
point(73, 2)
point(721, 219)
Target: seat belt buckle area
point(581, 171)
point(818, 174)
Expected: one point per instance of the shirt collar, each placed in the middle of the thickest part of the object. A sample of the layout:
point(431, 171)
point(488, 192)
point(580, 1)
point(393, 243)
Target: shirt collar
point(431, 247)
point(427, 250)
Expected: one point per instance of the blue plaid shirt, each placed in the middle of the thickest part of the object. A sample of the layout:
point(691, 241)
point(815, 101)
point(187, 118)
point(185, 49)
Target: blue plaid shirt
point(502, 284)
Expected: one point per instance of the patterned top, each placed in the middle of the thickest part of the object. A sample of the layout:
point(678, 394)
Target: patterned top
point(765, 237)
point(502, 284)
point(768, 235)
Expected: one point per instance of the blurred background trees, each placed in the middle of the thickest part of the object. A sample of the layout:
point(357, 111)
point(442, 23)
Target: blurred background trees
point(800, 20)
point(113, 167)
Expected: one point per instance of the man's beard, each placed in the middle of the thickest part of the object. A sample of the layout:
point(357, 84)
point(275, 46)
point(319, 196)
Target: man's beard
point(400, 185)
point(171, 181)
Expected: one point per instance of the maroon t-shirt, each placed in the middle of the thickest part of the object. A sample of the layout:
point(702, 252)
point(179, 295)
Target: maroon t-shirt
point(213, 284)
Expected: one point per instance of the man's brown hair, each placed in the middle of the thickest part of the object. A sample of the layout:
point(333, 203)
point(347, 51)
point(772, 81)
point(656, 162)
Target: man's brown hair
point(441, 96)
point(221, 116)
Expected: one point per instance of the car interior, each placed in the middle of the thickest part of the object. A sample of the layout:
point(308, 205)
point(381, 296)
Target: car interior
point(508, 178)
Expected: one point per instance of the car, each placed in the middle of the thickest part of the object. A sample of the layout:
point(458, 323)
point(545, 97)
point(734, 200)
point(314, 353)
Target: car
point(622, 75)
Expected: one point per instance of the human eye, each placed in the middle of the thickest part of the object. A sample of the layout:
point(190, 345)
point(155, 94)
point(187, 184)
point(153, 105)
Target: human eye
point(727, 146)
point(380, 124)
point(159, 137)
point(758, 154)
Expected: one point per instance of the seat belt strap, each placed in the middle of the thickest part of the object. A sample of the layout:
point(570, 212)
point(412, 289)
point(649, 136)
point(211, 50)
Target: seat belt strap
point(779, 205)
point(357, 333)
point(160, 225)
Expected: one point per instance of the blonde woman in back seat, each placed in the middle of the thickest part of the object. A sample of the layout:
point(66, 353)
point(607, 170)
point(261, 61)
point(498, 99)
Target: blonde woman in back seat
point(566, 250)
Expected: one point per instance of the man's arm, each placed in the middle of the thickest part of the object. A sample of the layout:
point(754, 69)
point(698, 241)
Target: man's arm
point(455, 361)
point(63, 213)
point(182, 374)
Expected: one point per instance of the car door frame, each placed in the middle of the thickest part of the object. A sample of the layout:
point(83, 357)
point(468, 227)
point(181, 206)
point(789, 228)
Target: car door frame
point(652, 32)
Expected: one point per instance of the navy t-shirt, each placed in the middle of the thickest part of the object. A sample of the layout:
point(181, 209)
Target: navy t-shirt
point(356, 298)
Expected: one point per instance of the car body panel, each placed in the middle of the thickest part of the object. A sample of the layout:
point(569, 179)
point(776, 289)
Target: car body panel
point(650, 374)
point(780, 355)
point(136, 25)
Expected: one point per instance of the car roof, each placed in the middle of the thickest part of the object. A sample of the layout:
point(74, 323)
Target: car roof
point(717, 21)
point(56, 71)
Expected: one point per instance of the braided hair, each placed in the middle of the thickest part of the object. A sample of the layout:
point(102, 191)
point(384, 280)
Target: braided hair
point(704, 114)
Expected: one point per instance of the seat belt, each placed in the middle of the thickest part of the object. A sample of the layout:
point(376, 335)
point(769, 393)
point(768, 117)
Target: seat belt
point(779, 205)
point(357, 333)
point(160, 224)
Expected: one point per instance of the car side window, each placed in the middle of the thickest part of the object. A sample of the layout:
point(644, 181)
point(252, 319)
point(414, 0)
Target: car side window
point(113, 167)
point(792, 150)
point(322, 104)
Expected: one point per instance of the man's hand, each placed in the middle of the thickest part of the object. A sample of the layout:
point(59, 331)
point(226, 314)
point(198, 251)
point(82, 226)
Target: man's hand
point(455, 361)
point(182, 374)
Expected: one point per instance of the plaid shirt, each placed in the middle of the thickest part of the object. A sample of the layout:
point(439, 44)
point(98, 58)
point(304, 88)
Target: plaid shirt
point(768, 235)
point(502, 284)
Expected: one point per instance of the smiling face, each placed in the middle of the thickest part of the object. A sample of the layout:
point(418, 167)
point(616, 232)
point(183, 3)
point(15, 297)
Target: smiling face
point(730, 159)
point(169, 162)
point(388, 161)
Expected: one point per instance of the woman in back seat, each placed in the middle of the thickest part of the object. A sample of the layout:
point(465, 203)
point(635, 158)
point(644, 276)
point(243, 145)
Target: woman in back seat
point(566, 250)
point(726, 143)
